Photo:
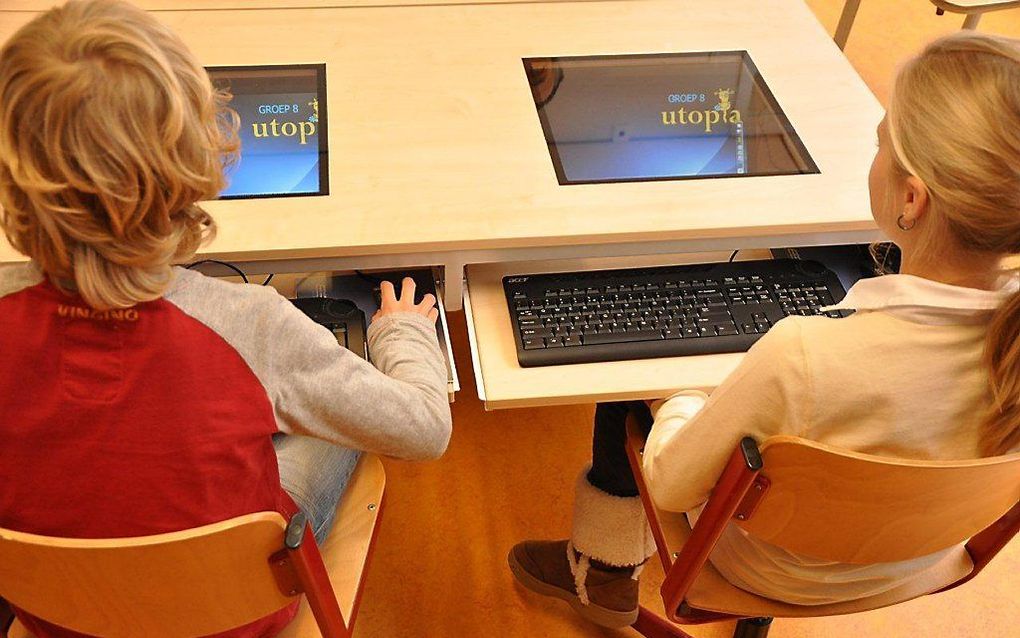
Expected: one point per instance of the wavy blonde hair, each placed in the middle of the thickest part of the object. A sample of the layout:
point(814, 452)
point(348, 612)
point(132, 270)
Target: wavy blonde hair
point(954, 121)
point(110, 132)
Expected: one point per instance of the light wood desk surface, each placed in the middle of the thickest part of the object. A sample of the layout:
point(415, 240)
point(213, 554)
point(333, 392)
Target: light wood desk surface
point(436, 146)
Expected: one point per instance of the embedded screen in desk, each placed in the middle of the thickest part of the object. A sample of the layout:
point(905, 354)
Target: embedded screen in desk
point(623, 118)
point(282, 112)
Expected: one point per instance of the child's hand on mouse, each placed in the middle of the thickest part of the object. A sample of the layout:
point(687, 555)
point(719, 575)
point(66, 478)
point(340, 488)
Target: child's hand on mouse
point(389, 303)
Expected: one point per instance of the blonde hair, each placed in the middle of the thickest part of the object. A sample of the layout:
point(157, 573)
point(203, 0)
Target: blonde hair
point(954, 121)
point(110, 132)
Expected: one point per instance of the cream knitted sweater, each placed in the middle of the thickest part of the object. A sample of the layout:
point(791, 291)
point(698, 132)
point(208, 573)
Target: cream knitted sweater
point(902, 377)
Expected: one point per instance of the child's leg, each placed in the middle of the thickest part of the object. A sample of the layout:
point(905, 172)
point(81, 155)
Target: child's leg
point(609, 520)
point(315, 474)
point(596, 569)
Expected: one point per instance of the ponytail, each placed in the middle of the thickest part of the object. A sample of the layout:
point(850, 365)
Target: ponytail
point(953, 124)
point(1001, 429)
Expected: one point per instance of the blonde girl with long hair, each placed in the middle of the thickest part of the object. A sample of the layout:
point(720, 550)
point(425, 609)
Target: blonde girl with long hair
point(928, 366)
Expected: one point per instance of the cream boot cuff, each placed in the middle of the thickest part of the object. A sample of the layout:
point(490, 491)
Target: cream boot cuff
point(610, 529)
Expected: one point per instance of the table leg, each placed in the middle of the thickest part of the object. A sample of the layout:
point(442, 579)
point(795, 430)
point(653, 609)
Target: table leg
point(846, 22)
point(972, 20)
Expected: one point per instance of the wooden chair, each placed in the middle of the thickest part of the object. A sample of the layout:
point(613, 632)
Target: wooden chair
point(204, 580)
point(972, 9)
point(834, 505)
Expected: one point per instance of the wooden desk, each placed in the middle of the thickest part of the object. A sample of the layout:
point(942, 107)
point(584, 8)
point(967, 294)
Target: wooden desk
point(437, 156)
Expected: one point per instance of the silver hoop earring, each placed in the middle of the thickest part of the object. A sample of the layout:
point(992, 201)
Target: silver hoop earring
point(899, 222)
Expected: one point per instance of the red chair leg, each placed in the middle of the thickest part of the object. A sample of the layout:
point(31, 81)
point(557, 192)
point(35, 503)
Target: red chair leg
point(651, 625)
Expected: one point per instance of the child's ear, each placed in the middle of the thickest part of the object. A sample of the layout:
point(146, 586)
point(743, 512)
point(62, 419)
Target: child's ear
point(917, 199)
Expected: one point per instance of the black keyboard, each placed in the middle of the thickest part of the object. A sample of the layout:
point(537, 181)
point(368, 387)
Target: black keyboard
point(643, 313)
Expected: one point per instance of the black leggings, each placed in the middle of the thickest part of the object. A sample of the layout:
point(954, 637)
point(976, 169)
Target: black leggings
point(610, 470)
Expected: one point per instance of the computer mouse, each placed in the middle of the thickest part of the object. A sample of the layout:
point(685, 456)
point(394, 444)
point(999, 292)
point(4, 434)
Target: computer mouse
point(341, 316)
point(326, 309)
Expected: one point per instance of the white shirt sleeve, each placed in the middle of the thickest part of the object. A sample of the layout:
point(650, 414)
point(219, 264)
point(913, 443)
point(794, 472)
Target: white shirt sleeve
point(694, 435)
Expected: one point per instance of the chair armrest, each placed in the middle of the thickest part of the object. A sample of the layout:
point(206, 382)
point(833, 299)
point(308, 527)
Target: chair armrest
point(742, 468)
point(984, 545)
point(635, 448)
point(737, 477)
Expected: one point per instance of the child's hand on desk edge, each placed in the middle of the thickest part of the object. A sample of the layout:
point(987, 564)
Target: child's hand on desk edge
point(391, 304)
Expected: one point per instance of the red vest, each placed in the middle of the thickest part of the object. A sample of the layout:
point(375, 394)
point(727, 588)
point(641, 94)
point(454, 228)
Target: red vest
point(128, 423)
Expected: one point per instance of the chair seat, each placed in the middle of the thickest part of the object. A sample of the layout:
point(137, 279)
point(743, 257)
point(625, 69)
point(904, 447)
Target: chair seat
point(712, 592)
point(346, 550)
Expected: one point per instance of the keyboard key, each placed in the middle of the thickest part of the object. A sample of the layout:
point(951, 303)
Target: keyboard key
point(533, 344)
point(573, 340)
point(716, 313)
point(535, 333)
point(554, 343)
point(647, 335)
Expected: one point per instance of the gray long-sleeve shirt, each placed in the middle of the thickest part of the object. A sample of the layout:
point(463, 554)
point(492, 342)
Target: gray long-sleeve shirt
point(399, 407)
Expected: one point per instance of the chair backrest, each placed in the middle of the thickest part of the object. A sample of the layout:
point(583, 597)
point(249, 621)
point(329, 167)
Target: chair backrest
point(849, 507)
point(148, 586)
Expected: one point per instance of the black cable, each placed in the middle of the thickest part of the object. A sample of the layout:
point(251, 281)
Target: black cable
point(227, 264)
point(734, 255)
point(221, 263)
point(369, 278)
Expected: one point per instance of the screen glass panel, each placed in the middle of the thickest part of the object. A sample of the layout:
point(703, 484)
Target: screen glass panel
point(283, 129)
point(627, 118)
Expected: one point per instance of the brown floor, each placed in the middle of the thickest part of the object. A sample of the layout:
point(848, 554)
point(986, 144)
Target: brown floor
point(440, 568)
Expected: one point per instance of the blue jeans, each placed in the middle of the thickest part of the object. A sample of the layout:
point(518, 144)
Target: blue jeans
point(315, 474)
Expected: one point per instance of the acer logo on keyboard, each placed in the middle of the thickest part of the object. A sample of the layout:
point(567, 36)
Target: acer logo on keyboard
point(516, 280)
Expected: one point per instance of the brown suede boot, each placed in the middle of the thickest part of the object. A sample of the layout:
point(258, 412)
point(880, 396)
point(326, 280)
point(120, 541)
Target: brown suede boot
point(606, 598)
